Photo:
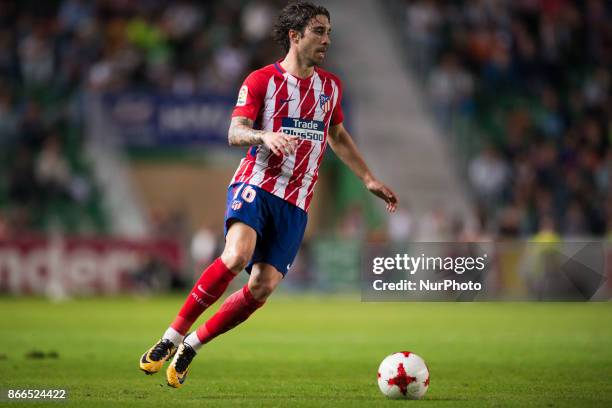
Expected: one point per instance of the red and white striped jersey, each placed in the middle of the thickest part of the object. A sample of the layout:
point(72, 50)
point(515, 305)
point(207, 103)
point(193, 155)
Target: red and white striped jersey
point(276, 100)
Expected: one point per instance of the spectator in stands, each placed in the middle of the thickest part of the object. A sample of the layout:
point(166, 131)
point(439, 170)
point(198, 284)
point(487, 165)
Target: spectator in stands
point(204, 246)
point(8, 117)
point(23, 187)
point(488, 174)
point(542, 87)
point(435, 226)
point(51, 51)
point(53, 173)
point(401, 225)
point(450, 89)
point(32, 126)
point(424, 19)
point(257, 18)
point(35, 50)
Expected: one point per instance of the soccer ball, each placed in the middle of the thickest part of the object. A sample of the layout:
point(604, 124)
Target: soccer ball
point(403, 375)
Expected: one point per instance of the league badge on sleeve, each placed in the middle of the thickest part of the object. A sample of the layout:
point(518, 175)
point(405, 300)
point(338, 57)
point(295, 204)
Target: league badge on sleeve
point(242, 95)
point(325, 103)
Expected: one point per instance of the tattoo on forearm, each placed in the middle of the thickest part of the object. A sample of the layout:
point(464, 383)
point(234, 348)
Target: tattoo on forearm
point(241, 133)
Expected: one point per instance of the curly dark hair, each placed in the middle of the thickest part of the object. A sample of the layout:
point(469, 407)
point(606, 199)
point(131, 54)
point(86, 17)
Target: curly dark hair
point(295, 16)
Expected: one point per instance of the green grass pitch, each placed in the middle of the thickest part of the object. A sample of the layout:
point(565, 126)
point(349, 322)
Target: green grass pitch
point(316, 351)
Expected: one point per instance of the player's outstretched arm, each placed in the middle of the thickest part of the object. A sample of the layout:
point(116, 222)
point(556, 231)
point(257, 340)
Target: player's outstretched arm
point(342, 144)
point(241, 133)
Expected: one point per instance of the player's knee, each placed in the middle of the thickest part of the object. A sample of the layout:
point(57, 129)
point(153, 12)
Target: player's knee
point(234, 260)
point(261, 289)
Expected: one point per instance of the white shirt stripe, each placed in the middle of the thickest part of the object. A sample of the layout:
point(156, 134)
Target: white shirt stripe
point(263, 153)
point(311, 169)
point(293, 90)
point(335, 99)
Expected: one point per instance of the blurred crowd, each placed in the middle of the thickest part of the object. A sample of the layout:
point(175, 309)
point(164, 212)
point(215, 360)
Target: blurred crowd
point(180, 46)
point(532, 78)
point(175, 46)
point(52, 52)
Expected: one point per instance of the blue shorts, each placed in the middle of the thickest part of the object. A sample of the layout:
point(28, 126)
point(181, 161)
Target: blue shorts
point(279, 225)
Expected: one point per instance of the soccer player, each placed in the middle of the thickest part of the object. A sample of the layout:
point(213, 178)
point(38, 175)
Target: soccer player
point(286, 113)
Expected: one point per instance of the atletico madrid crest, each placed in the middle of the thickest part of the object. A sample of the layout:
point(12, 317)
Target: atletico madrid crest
point(325, 103)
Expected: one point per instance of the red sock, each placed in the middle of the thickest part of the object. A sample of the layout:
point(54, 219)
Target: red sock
point(235, 310)
point(211, 285)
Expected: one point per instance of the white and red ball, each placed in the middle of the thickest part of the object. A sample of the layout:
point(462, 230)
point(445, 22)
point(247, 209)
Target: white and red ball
point(403, 375)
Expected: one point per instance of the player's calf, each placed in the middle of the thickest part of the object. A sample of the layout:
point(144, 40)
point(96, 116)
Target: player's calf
point(235, 310)
point(262, 291)
point(263, 281)
point(207, 290)
point(235, 261)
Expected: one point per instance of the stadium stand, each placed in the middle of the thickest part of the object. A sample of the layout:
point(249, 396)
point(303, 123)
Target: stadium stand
point(524, 88)
point(52, 54)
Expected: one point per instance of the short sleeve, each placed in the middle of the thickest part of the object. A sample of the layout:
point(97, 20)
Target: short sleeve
point(338, 115)
point(250, 97)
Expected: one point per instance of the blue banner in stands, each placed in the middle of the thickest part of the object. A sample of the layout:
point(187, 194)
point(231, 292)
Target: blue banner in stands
point(150, 120)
